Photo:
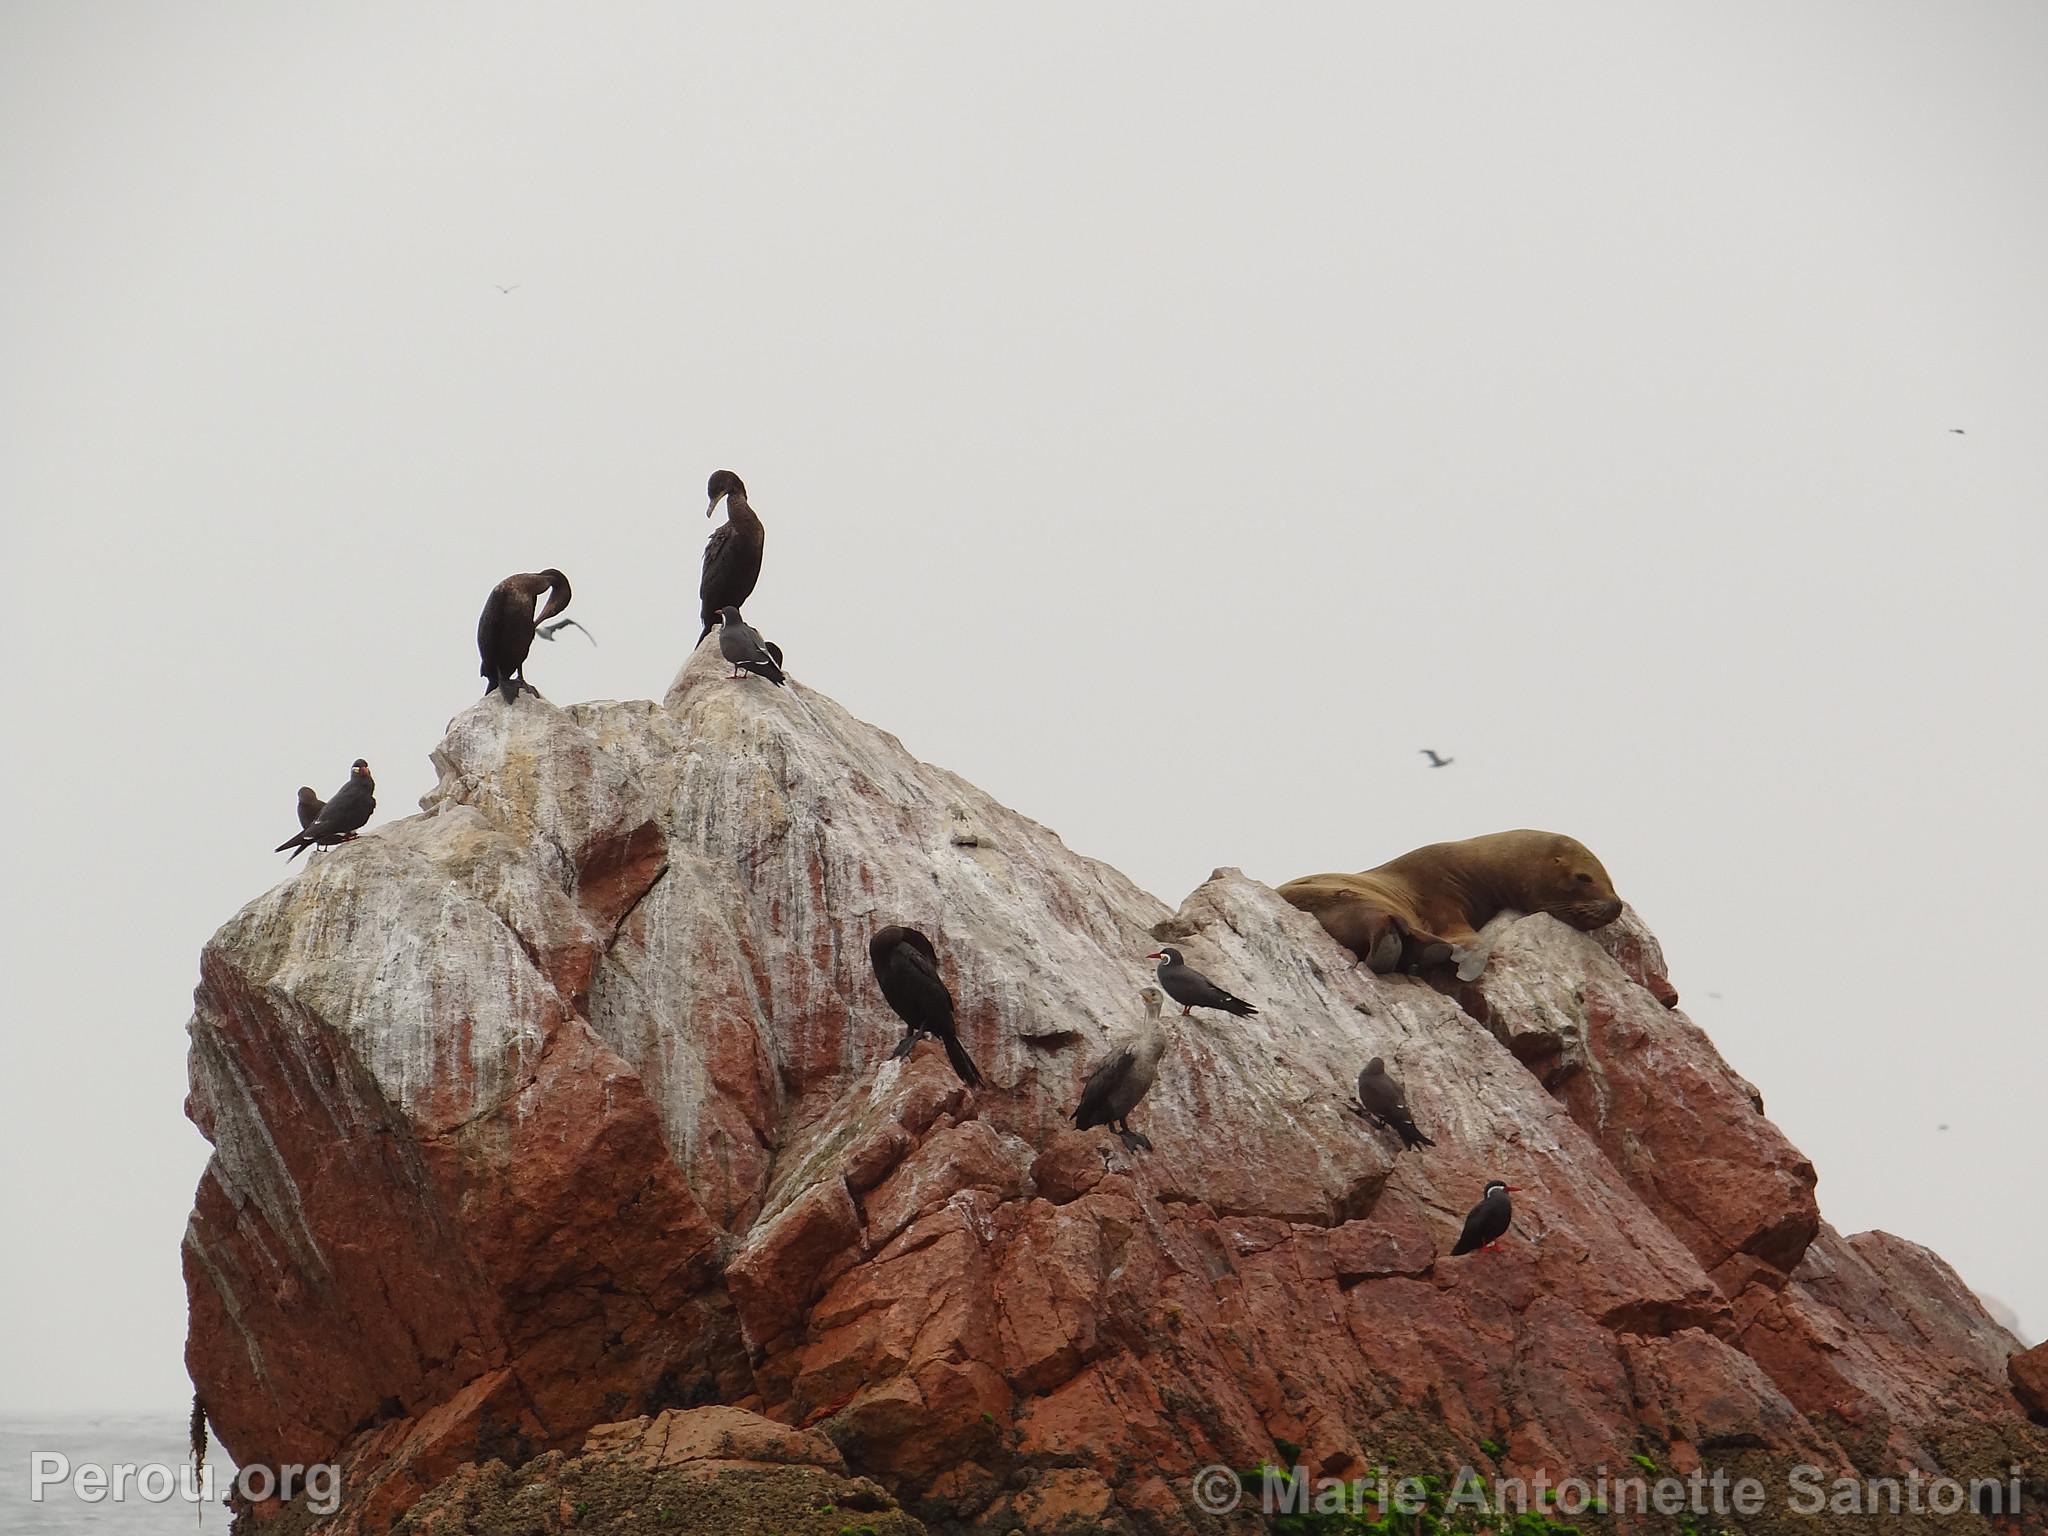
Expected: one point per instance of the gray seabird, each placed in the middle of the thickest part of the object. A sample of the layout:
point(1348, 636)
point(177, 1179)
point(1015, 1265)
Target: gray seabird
point(1123, 1077)
point(1191, 989)
point(1382, 1100)
point(741, 644)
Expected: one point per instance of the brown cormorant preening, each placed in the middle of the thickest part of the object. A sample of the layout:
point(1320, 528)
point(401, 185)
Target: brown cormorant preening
point(1119, 1080)
point(337, 820)
point(732, 560)
point(907, 967)
point(741, 644)
point(1382, 1100)
point(1191, 989)
point(504, 633)
point(1488, 1221)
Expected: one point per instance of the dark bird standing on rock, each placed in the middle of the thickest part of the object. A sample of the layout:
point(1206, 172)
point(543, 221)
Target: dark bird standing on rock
point(732, 560)
point(337, 820)
point(1120, 1079)
point(504, 633)
point(741, 644)
point(1382, 1100)
point(907, 967)
point(1488, 1221)
point(1191, 989)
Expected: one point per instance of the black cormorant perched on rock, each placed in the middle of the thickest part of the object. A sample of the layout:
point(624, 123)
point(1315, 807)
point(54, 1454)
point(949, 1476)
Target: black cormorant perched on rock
point(741, 644)
point(732, 560)
point(1382, 1100)
point(907, 967)
point(1120, 1079)
point(1191, 989)
point(1488, 1221)
point(504, 633)
point(337, 820)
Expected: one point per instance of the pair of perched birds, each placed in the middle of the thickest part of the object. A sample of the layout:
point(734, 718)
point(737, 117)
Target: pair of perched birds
point(906, 965)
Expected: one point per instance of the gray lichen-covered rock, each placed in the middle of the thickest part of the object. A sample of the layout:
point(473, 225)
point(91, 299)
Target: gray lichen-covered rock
point(570, 1100)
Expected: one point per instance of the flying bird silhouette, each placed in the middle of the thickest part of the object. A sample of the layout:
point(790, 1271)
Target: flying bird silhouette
point(1959, 432)
point(549, 631)
point(1435, 761)
point(503, 289)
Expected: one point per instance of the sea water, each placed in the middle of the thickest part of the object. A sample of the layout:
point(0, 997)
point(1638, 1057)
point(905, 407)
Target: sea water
point(108, 1441)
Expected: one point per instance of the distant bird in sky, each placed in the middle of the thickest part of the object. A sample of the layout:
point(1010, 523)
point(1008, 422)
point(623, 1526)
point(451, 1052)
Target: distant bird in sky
point(1959, 432)
point(907, 969)
point(732, 557)
point(741, 644)
point(337, 820)
point(549, 631)
point(503, 288)
point(505, 629)
point(1435, 761)
point(1191, 989)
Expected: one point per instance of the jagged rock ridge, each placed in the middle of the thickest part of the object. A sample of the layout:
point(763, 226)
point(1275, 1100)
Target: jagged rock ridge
point(568, 1101)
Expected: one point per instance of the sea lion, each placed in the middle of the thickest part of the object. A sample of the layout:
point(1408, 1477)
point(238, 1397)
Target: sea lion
point(1420, 908)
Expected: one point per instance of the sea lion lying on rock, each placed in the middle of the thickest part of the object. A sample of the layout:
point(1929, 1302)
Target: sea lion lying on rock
point(1428, 906)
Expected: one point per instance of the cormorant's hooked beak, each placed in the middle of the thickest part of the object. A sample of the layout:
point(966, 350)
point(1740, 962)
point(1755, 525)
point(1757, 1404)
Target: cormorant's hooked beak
point(714, 503)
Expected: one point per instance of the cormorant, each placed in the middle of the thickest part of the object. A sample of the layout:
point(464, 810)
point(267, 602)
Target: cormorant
point(907, 967)
point(741, 644)
point(1191, 989)
point(1487, 1222)
point(1382, 1100)
point(732, 560)
point(337, 820)
point(504, 632)
point(1123, 1077)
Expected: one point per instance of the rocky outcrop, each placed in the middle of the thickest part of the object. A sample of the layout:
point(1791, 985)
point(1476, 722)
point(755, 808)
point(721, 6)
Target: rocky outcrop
point(569, 1102)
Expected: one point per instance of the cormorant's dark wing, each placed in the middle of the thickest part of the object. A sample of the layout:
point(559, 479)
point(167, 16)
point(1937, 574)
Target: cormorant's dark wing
point(1102, 1083)
point(914, 988)
point(490, 626)
point(732, 564)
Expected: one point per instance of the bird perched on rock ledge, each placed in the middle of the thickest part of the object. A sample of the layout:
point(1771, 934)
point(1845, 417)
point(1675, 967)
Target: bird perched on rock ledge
point(1120, 1079)
point(732, 558)
point(1191, 989)
point(907, 968)
point(1488, 1221)
point(504, 631)
point(741, 644)
point(1382, 1100)
point(338, 820)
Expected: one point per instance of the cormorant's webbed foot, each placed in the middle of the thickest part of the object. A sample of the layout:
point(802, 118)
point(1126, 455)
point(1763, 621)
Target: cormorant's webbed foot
point(909, 1044)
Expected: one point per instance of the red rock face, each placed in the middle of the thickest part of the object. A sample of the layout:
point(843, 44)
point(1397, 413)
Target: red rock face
point(571, 1100)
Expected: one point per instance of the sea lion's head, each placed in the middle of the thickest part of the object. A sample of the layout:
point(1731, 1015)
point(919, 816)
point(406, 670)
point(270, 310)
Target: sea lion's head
point(1576, 889)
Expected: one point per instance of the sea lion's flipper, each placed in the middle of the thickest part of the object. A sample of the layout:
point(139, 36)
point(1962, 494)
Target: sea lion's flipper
point(1471, 960)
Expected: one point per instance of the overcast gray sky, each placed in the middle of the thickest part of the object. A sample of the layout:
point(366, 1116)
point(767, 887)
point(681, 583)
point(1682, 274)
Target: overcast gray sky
point(1170, 417)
